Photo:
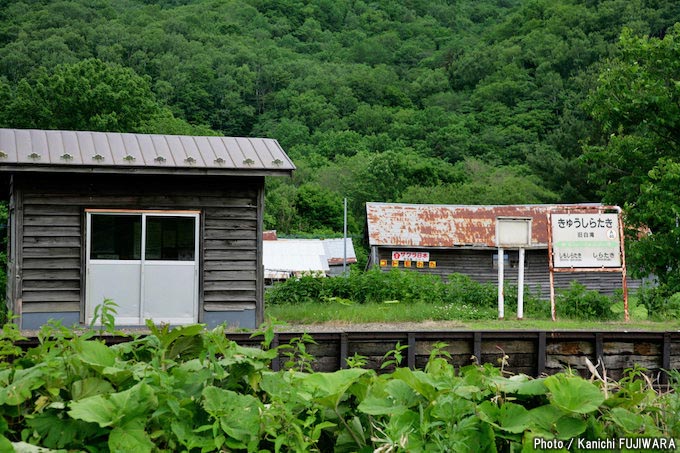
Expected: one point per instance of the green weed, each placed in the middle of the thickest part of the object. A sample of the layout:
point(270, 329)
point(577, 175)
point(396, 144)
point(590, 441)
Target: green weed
point(188, 389)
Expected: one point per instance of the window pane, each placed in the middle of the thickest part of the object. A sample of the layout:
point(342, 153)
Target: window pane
point(170, 238)
point(116, 237)
point(506, 261)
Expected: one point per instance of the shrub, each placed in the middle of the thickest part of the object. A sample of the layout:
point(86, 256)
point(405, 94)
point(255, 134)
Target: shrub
point(460, 297)
point(534, 306)
point(580, 303)
point(405, 286)
point(658, 302)
point(338, 286)
point(373, 285)
point(462, 290)
point(295, 290)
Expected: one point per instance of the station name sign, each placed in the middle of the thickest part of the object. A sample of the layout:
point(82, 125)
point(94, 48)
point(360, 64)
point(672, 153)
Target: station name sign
point(586, 240)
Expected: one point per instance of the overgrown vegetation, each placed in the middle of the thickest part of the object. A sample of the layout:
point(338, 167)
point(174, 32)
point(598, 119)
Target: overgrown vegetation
point(428, 297)
point(187, 389)
point(191, 389)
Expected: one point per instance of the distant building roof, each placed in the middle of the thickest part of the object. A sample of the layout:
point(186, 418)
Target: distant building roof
point(335, 252)
point(424, 225)
point(284, 257)
point(79, 151)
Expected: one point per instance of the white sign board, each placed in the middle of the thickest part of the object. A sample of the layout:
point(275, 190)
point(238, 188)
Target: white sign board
point(513, 232)
point(586, 240)
point(410, 256)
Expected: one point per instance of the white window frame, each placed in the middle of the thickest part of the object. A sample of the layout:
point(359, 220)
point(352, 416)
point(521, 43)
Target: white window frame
point(144, 214)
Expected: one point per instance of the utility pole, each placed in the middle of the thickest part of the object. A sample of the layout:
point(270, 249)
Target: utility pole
point(344, 241)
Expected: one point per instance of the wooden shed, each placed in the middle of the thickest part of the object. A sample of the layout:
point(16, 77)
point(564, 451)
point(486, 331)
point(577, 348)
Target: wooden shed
point(447, 239)
point(168, 227)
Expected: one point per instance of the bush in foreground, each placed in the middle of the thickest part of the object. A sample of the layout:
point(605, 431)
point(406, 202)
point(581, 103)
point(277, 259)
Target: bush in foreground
point(188, 389)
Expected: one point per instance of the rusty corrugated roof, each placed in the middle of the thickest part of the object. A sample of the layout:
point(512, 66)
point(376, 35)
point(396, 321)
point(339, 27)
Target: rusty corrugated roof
point(450, 225)
point(24, 149)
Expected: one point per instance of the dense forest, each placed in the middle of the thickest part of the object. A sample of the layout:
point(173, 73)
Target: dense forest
point(423, 101)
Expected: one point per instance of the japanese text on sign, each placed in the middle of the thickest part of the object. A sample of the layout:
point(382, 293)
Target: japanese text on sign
point(586, 240)
point(411, 256)
point(586, 222)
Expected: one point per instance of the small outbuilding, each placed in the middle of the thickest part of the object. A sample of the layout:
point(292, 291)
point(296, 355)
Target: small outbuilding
point(168, 227)
point(340, 254)
point(286, 258)
point(447, 239)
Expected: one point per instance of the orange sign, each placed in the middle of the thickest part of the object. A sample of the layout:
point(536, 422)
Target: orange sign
point(383, 263)
point(395, 263)
point(407, 264)
point(420, 264)
point(433, 264)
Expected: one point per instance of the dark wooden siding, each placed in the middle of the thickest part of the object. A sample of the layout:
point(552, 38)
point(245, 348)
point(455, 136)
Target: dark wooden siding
point(478, 264)
point(12, 248)
point(534, 353)
point(230, 255)
point(52, 237)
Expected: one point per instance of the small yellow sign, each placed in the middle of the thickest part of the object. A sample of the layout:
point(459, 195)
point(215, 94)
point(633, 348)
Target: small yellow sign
point(420, 264)
point(432, 264)
point(383, 263)
point(395, 263)
point(407, 264)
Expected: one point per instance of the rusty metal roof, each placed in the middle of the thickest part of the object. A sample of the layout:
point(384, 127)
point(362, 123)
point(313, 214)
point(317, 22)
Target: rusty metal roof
point(35, 150)
point(450, 225)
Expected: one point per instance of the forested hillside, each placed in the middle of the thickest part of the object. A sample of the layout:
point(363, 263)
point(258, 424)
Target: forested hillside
point(428, 101)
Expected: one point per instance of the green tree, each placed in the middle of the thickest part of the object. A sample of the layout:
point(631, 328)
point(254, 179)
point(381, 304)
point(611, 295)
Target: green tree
point(385, 176)
point(483, 184)
point(637, 106)
point(319, 208)
point(90, 95)
point(280, 213)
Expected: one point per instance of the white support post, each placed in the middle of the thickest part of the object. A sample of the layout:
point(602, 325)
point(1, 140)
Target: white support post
point(501, 297)
point(520, 285)
point(344, 241)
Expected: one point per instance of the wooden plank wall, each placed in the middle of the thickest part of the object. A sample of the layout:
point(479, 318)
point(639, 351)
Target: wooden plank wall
point(478, 264)
point(534, 353)
point(230, 255)
point(52, 244)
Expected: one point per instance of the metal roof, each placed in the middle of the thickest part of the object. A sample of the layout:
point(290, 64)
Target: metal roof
point(283, 257)
point(80, 151)
point(335, 252)
point(293, 256)
point(451, 225)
